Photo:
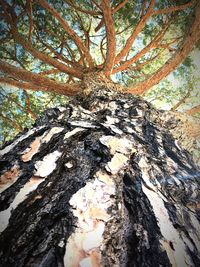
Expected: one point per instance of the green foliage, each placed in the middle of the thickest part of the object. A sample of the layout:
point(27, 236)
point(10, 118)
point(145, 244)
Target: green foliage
point(16, 114)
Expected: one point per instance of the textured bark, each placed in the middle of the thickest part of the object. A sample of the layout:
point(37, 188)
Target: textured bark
point(117, 142)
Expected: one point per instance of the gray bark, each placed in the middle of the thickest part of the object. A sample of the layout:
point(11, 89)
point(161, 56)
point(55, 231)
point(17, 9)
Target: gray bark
point(114, 143)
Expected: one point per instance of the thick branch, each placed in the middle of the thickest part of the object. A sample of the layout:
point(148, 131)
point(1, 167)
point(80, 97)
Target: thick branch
point(119, 6)
point(193, 110)
point(135, 33)
point(74, 64)
point(111, 37)
point(101, 23)
point(70, 31)
point(21, 84)
point(43, 57)
point(37, 80)
point(174, 8)
point(10, 18)
point(176, 60)
point(152, 45)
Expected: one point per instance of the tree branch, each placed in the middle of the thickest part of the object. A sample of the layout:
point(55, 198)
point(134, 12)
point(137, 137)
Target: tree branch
point(111, 37)
point(30, 11)
point(193, 110)
point(176, 60)
point(135, 33)
point(49, 72)
point(36, 80)
point(43, 57)
point(181, 101)
point(28, 102)
point(152, 45)
point(78, 8)
point(12, 122)
point(74, 64)
point(10, 98)
point(102, 22)
point(70, 31)
point(119, 6)
point(174, 8)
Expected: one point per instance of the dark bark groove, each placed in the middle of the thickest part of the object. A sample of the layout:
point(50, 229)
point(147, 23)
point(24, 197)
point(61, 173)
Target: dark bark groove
point(156, 182)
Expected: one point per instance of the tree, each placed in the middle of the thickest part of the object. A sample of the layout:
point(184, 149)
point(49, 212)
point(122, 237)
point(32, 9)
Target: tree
point(105, 166)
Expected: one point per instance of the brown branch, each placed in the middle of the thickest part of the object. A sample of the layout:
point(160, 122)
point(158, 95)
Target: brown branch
point(96, 4)
point(37, 80)
point(28, 102)
point(144, 7)
point(189, 43)
point(12, 122)
point(85, 31)
point(78, 8)
point(70, 31)
point(100, 25)
point(101, 48)
point(21, 84)
point(135, 33)
point(9, 97)
point(174, 8)
point(74, 64)
point(111, 37)
point(30, 11)
point(142, 64)
point(119, 6)
point(102, 22)
point(181, 101)
point(48, 72)
point(193, 110)
point(13, 57)
point(68, 48)
point(43, 57)
point(152, 45)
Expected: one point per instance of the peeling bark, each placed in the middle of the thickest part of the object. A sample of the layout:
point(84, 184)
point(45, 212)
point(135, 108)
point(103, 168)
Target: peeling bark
point(99, 182)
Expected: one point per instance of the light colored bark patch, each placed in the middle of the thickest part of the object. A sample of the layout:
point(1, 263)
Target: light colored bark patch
point(90, 206)
point(104, 177)
point(83, 124)
point(178, 254)
point(20, 197)
point(52, 132)
point(34, 147)
point(115, 144)
point(173, 243)
point(73, 132)
point(47, 165)
point(21, 138)
point(9, 178)
point(118, 162)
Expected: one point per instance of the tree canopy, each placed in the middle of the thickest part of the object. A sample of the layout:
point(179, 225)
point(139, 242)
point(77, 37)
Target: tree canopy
point(54, 46)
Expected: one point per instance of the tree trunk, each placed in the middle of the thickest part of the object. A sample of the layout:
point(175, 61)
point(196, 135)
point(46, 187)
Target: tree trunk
point(100, 182)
